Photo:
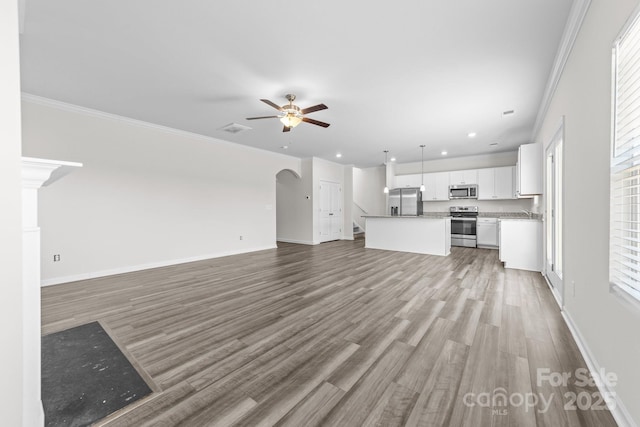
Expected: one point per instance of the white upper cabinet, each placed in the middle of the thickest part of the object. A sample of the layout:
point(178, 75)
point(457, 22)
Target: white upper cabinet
point(504, 182)
point(493, 183)
point(412, 180)
point(529, 170)
point(486, 184)
point(469, 176)
point(436, 186)
point(496, 183)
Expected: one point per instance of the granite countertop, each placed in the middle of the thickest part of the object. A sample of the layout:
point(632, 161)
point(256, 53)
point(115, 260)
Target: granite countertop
point(436, 214)
point(511, 215)
point(499, 215)
point(428, 215)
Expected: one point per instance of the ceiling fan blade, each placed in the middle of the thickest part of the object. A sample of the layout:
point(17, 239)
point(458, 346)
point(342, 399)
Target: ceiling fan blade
point(315, 122)
point(314, 108)
point(263, 117)
point(276, 106)
point(286, 129)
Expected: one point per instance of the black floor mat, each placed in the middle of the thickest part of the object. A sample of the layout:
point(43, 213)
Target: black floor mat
point(85, 377)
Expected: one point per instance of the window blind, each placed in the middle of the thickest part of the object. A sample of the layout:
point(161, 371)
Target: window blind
point(624, 244)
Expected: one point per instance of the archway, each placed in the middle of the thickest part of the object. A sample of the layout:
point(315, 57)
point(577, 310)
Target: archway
point(293, 209)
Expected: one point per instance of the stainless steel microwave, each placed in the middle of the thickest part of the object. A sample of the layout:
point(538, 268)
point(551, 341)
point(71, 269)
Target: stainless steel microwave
point(469, 191)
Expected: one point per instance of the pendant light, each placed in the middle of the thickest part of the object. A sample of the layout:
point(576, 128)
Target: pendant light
point(422, 176)
point(386, 189)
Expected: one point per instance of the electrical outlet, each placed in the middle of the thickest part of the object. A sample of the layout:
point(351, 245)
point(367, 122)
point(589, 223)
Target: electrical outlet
point(56, 258)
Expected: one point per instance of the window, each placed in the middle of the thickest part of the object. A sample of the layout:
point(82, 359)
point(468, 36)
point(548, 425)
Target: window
point(624, 243)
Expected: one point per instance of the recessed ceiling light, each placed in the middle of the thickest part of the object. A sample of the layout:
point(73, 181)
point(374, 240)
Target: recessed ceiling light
point(444, 153)
point(472, 134)
point(508, 113)
point(338, 155)
point(284, 147)
point(493, 144)
point(393, 159)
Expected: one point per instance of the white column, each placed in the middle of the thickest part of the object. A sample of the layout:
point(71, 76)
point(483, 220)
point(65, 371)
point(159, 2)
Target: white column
point(11, 370)
point(35, 174)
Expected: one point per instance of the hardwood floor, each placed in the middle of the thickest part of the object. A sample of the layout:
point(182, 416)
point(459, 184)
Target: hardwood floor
point(336, 335)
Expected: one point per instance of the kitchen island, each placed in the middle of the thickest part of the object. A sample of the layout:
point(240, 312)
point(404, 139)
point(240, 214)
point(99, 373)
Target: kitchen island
point(429, 234)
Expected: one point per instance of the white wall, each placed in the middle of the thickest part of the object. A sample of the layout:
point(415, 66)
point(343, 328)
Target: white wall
point(368, 184)
point(11, 305)
point(299, 200)
point(294, 206)
point(493, 160)
point(608, 325)
point(146, 196)
point(347, 201)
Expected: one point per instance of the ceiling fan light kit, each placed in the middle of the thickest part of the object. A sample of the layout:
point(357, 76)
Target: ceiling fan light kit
point(291, 120)
point(291, 115)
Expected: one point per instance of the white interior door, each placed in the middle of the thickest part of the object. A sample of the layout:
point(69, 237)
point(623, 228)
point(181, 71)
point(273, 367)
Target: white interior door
point(553, 214)
point(330, 211)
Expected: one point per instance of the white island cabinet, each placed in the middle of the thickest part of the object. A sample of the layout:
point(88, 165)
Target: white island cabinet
point(416, 234)
point(521, 244)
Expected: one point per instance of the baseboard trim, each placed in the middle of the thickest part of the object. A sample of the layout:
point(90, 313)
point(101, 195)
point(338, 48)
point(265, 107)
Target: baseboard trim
point(553, 292)
point(298, 242)
point(620, 412)
point(129, 269)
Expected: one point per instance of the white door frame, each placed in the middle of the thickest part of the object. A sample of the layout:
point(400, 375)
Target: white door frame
point(553, 184)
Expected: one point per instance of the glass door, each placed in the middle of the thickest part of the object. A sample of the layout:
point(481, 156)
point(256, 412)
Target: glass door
point(553, 214)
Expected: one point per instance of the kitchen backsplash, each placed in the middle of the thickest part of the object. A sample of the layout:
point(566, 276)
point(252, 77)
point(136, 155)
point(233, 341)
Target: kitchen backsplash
point(483, 205)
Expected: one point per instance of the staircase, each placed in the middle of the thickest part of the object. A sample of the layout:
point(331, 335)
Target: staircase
point(357, 229)
point(357, 219)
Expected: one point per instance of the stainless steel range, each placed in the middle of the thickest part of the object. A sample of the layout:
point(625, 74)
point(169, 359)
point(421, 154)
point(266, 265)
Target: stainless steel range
point(463, 226)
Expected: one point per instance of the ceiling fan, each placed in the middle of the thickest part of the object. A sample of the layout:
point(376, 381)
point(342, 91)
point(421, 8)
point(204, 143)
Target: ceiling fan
point(291, 115)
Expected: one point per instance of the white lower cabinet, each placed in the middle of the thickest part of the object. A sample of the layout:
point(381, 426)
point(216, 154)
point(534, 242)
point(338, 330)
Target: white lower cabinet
point(521, 244)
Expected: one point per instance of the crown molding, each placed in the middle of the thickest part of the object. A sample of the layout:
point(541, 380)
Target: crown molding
point(38, 173)
point(72, 108)
point(574, 23)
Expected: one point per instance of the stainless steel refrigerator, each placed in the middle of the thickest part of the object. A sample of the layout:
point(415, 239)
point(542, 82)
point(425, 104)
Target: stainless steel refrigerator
point(405, 201)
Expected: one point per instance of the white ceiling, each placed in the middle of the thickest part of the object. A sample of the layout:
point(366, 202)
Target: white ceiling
point(393, 74)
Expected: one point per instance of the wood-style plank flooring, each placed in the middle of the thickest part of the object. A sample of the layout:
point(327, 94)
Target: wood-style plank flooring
point(336, 335)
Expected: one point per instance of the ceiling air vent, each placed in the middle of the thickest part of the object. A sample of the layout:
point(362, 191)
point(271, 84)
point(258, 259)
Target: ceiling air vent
point(234, 128)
